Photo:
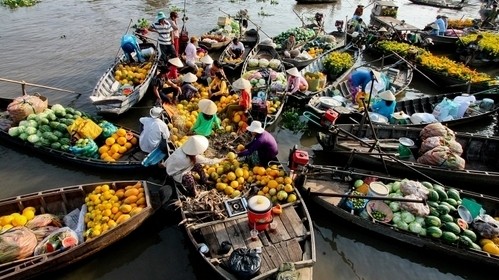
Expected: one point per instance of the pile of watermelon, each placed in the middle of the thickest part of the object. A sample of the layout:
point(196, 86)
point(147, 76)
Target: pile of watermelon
point(49, 128)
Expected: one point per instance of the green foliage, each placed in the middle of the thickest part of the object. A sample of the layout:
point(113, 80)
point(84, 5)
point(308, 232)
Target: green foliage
point(18, 3)
point(338, 62)
point(291, 120)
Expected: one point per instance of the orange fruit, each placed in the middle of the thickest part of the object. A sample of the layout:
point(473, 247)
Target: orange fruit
point(121, 132)
point(272, 184)
point(115, 148)
point(110, 141)
point(116, 156)
point(134, 141)
point(121, 140)
point(122, 150)
point(128, 145)
point(103, 149)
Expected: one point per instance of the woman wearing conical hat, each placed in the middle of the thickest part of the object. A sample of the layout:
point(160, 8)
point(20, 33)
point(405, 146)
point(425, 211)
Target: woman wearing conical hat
point(296, 82)
point(188, 90)
point(385, 106)
point(207, 119)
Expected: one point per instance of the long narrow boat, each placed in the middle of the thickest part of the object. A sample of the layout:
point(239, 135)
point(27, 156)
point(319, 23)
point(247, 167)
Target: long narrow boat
point(399, 74)
point(355, 141)
point(62, 201)
point(129, 161)
point(329, 187)
point(455, 5)
point(107, 95)
point(302, 98)
point(276, 96)
point(292, 241)
point(250, 39)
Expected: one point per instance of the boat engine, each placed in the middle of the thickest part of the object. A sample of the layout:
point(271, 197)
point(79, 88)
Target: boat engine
point(298, 159)
point(339, 25)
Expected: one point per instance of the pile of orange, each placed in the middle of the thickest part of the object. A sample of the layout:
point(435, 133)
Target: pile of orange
point(117, 144)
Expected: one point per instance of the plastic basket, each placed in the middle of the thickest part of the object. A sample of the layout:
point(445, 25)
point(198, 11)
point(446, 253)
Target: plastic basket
point(315, 82)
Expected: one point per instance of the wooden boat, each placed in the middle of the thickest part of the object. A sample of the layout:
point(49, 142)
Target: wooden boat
point(455, 5)
point(443, 42)
point(384, 14)
point(62, 201)
point(109, 98)
point(250, 39)
point(293, 241)
point(455, 84)
point(214, 45)
point(400, 75)
point(315, 1)
point(259, 112)
point(302, 98)
point(327, 186)
point(479, 152)
point(130, 161)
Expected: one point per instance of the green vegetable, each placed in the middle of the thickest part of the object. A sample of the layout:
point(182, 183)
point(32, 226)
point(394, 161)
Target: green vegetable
point(434, 232)
point(451, 227)
point(415, 227)
point(470, 234)
point(432, 221)
point(454, 194)
point(449, 237)
point(407, 217)
point(33, 138)
point(14, 131)
point(433, 195)
point(446, 218)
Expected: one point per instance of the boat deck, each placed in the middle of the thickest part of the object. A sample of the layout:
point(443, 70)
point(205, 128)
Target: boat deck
point(391, 22)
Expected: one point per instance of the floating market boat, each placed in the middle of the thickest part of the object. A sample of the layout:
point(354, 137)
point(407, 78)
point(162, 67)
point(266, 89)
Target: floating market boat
point(130, 160)
point(356, 142)
point(455, 5)
point(53, 205)
point(250, 39)
point(111, 96)
point(315, 1)
point(388, 215)
point(384, 14)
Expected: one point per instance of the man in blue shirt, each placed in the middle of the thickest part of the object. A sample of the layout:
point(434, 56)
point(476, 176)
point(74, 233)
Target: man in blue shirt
point(129, 45)
point(441, 25)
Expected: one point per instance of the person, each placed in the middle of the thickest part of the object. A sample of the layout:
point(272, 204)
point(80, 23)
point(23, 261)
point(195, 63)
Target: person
point(400, 118)
point(296, 82)
point(161, 93)
point(204, 73)
point(358, 80)
point(289, 45)
point(188, 90)
point(440, 26)
point(262, 148)
point(207, 120)
point(244, 86)
point(165, 35)
point(358, 11)
point(188, 159)
point(176, 33)
point(129, 44)
point(491, 17)
point(173, 74)
point(385, 106)
point(218, 87)
point(357, 25)
point(236, 49)
point(154, 130)
point(191, 54)
point(474, 45)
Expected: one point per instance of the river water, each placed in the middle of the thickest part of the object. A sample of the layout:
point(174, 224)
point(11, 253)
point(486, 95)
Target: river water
point(70, 43)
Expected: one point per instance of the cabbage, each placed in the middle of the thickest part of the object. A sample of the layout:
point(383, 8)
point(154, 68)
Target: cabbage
point(407, 217)
point(262, 81)
point(32, 123)
point(58, 109)
point(263, 63)
point(23, 123)
point(30, 130)
point(395, 206)
point(274, 63)
point(396, 217)
point(14, 131)
point(33, 138)
point(415, 227)
point(420, 220)
point(402, 225)
point(396, 186)
point(31, 117)
point(23, 136)
point(422, 231)
point(253, 62)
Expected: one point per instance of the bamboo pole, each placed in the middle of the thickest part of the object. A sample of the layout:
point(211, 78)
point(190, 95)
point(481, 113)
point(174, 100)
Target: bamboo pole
point(24, 84)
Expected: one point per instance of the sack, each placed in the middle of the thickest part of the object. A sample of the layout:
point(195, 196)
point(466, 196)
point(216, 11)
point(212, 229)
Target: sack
point(84, 128)
point(415, 208)
point(25, 105)
point(410, 187)
point(437, 129)
point(60, 239)
point(16, 244)
point(442, 156)
point(245, 262)
point(287, 271)
point(486, 226)
point(435, 141)
point(315, 81)
point(423, 118)
point(108, 128)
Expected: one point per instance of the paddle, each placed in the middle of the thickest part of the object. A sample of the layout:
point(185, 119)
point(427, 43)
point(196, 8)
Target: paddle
point(299, 17)
point(309, 192)
point(23, 84)
point(415, 68)
point(119, 49)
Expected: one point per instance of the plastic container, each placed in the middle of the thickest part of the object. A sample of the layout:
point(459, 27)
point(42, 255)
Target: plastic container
point(378, 189)
point(259, 212)
point(148, 52)
point(487, 104)
point(473, 207)
point(223, 21)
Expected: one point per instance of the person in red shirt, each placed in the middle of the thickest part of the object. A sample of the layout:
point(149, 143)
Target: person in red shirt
point(244, 98)
point(175, 64)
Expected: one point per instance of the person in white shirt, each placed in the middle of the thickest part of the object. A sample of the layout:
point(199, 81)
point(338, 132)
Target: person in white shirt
point(187, 159)
point(154, 130)
point(191, 54)
point(236, 49)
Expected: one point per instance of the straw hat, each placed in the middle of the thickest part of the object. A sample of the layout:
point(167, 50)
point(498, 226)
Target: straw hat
point(255, 127)
point(160, 16)
point(189, 78)
point(195, 145)
point(207, 106)
point(206, 59)
point(376, 75)
point(155, 112)
point(293, 72)
point(387, 95)
point(400, 115)
point(382, 29)
point(176, 62)
point(241, 83)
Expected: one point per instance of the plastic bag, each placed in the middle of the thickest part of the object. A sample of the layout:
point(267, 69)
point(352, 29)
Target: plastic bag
point(245, 262)
point(415, 208)
point(423, 118)
point(435, 141)
point(84, 128)
point(44, 220)
point(42, 232)
point(410, 187)
point(287, 271)
point(86, 148)
point(442, 156)
point(108, 128)
point(446, 110)
point(486, 226)
point(60, 239)
point(16, 244)
point(25, 105)
point(437, 129)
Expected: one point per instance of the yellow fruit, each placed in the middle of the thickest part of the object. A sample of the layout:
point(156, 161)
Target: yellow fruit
point(135, 211)
point(229, 190)
point(121, 132)
point(19, 221)
point(240, 180)
point(121, 140)
point(110, 141)
point(291, 198)
point(240, 147)
point(288, 180)
point(7, 227)
point(272, 184)
point(228, 128)
point(29, 214)
point(7, 220)
point(123, 218)
point(239, 172)
point(131, 199)
point(234, 184)
point(288, 188)
point(491, 248)
point(141, 201)
point(131, 191)
point(125, 208)
point(231, 176)
point(120, 193)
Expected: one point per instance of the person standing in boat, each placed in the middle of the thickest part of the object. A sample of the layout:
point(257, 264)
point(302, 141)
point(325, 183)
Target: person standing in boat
point(186, 160)
point(359, 11)
point(154, 130)
point(440, 26)
point(263, 148)
point(165, 35)
point(168, 94)
point(207, 120)
point(176, 33)
point(129, 44)
point(385, 106)
point(296, 82)
point(236, 49)
point(191, 54)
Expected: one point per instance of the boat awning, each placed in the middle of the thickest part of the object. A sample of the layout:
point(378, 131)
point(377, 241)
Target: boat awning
point(386, 3)
point(398, 25)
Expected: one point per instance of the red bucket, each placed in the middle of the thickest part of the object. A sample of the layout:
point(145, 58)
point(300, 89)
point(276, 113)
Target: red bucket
point(259, 212)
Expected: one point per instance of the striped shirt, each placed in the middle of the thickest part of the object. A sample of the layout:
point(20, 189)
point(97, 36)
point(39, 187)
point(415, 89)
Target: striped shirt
point(164, 32)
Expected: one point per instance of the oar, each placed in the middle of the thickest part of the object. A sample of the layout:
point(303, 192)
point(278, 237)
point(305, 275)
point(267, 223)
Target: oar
point(119, 49)
point(23, 84)
point(299, 17)
point(415, 68)
point(309, 192)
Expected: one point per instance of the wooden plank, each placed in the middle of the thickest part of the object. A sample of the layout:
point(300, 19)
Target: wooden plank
point(283, 251)
point(235, 235)
point(296, 222)
point(263, 238)
point(294, 250)
point(221, 234)
point(266, 264)
point(281, 232)
point(211, 241)
point(287, 226)
point(245, 230)
point(271, 254)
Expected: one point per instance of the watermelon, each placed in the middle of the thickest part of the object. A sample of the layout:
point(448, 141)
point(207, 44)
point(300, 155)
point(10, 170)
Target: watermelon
point(433, 195)
point(62, 127)
point(65, 141)
point(54, 124)
point(454, 194)
point(56, 146)
point(452, 202)
point(465, 240)
point(446, 218)
point(58, 134)
point(449, 237)
point(451, 227)
point(69, 242)
point(432, 221)
point(443, 209)
point(470, 234)
point(434, 232)
point(44, 128)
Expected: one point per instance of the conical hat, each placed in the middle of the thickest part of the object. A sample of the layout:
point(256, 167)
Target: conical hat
point(206, 59)
point(195, 145)
point(387, 95)
point(155, 112)
point(241, 83)
point(207, 106)
point(293, 72)
point(189, 78)
point(382, 29)
point(176, 61)
point(376, 75)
